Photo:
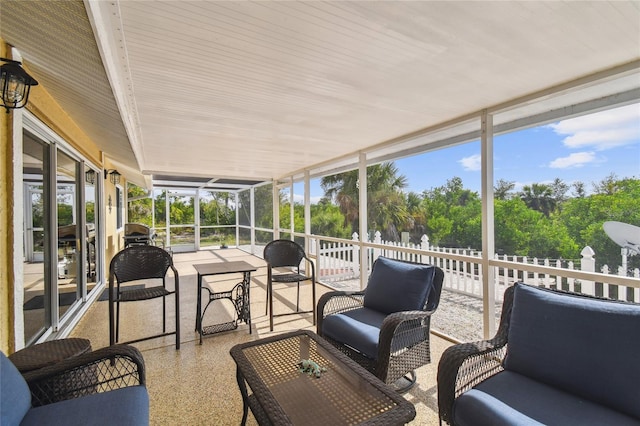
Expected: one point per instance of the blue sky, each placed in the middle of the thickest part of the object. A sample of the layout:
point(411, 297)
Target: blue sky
point(587, 148)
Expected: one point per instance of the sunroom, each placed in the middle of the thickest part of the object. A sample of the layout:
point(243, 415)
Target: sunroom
point(280, 116)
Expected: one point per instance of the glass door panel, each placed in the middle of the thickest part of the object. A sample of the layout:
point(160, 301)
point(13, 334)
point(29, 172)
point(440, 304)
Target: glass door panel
point(70, 253)
point(37, 283)
point(90, 202)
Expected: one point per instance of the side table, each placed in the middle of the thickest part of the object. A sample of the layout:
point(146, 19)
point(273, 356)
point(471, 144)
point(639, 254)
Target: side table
point(48, 353)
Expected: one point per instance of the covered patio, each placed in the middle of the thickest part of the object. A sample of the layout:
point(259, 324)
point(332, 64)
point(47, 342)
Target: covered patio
point(197, 384)
point(211, 96)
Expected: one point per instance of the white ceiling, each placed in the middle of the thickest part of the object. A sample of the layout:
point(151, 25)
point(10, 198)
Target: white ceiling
point(261, 90)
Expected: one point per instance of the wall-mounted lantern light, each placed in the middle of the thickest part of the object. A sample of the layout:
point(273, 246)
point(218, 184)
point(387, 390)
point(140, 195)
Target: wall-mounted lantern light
point(90, 176)
point(15, 84)
point(114, 176)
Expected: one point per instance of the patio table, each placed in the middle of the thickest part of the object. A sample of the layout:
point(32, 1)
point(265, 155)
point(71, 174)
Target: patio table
point(344, 394)
point(238, 295)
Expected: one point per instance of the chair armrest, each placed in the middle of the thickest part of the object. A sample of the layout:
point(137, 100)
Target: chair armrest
point(335, 302)
point(401, 330)
point(463, 366)
point(102, 370)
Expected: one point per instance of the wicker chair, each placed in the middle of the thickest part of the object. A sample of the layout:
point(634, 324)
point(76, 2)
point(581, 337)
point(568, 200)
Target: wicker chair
point(136, 263)
point(78, 390)
point(550, 362)
point(481, 360)
point(287, 254)
point(386, 327)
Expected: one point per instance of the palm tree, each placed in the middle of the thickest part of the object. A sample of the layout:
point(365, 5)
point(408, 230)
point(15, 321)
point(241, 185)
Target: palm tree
point(386, 203)
point(539, 196)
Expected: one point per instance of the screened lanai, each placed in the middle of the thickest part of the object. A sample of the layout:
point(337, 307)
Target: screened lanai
point(204, 98)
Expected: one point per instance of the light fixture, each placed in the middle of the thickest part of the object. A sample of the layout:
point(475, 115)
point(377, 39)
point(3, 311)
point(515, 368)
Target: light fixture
point(15, 84)
point(90, 176)
point(114, 176)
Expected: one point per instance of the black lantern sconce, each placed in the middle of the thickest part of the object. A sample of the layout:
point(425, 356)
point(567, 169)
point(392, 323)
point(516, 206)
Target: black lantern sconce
point(114, 176)
point(15, 84)
point(90, 176)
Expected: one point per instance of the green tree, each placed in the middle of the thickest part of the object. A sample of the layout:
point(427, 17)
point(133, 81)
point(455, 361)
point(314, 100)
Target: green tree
point(386, 203)
point(327, 219)
point(539, 196)
point(502, 189)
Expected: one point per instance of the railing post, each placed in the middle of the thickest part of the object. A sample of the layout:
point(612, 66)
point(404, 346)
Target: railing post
point(355, 255)
point(377, 239)
point(424, 245)
point(588, 264)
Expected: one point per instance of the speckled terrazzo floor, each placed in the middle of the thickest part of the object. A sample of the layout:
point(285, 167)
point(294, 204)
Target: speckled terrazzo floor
point(196, 385)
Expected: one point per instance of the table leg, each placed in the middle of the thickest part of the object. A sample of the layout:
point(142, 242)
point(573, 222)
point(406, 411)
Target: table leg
point(247, 287)
point(245, 397)
point(199, 308)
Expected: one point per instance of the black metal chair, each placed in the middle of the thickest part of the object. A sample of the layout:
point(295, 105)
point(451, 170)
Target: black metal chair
point(136, 263)
point(289, 255)
point(385, 328)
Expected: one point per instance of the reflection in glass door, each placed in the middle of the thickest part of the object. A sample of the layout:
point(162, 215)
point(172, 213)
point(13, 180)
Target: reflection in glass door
point(91, 235)
point(37, 283)
point(70, 253)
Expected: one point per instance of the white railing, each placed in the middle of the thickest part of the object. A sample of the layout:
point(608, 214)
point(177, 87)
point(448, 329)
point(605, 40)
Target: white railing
point(338, 265)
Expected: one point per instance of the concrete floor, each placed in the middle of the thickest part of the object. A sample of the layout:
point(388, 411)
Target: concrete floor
point(196, 385)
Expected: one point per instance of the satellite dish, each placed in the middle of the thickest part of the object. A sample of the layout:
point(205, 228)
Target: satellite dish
point(625, 235)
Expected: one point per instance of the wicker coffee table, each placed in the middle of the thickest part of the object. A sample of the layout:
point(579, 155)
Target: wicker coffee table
point(345, 394)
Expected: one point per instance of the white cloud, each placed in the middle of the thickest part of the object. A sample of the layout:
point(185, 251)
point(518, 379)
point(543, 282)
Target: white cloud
point(472, 163)
point(603, 130)
point(577, 159)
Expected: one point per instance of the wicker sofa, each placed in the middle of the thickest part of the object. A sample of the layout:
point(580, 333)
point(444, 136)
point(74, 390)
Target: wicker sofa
point(103, 387)
point(558, 358)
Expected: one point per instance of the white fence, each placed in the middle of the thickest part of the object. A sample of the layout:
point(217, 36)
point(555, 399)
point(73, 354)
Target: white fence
point(338, 262)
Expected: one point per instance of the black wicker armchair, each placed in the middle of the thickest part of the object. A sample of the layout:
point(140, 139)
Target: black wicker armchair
point(465, 365)
point(386, 327)
point(103, 387)
point(550, 362)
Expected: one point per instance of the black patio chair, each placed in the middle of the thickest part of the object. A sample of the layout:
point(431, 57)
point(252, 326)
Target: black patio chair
point(385, 328)
point(287, 255)
point(146, 263)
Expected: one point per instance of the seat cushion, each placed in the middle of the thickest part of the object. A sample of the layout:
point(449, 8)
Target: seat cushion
point(396, 286)
point(583, 346)
point(125, 406)
point(15, 396)
point(510, 398)
point(359, 329)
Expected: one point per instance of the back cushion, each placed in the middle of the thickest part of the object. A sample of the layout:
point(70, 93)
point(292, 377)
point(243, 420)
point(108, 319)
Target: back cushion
point(585, 346)
point(14, 393)
point(396, 286)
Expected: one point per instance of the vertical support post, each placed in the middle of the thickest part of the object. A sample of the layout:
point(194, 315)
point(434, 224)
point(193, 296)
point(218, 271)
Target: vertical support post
point(362, 178)
point(275, 194)
point(488, 234)
point(292, 227)
point(307, 210)
point(252, 219)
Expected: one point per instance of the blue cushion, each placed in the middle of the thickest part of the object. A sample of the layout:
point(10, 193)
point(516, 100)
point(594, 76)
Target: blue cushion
point(513, 399)
point(126, 406)
point(396, 286)
point(15, 394)
point(583, 346)
point(359, 328)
